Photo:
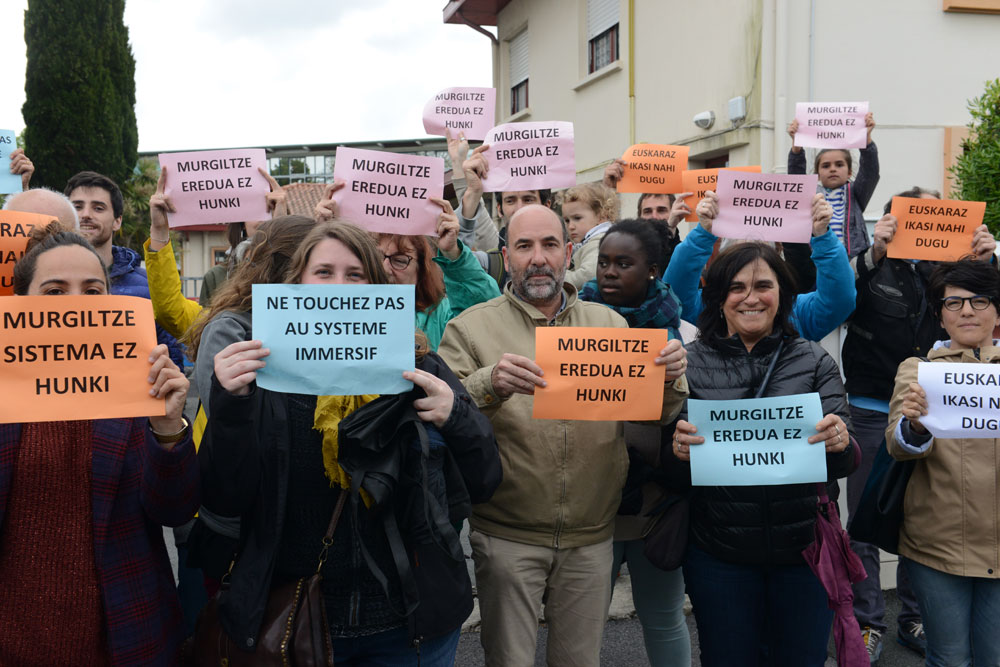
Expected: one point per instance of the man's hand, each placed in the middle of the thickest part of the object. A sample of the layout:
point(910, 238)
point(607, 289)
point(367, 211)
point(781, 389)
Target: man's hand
point(885, 229)
point(327, 209)
point(793, 128)
point(159, 206)
point(476, 168)
point(277, 199)
point(821, 214)
point(708, 210)
point(613, 173)
point(515, 374)
point(458, 151)
point(20, 164)
point(447, 230)
point(679, 210)
point(983, 243)
point(870, 124)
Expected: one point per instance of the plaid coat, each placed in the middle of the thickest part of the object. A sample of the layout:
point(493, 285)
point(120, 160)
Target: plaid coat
point(136, 488)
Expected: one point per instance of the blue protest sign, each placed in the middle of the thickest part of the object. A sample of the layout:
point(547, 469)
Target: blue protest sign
point(335, 340)
point(9, 183)
point(757, 441)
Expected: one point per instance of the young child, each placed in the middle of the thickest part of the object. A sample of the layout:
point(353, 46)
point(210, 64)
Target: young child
point(589, 211)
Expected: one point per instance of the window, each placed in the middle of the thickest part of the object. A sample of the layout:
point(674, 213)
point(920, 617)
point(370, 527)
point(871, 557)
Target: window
point(602, 33)
point(717, 162)
point(519, 72)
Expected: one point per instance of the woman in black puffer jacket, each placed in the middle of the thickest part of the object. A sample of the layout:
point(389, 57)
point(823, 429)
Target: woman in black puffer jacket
point(755, 599)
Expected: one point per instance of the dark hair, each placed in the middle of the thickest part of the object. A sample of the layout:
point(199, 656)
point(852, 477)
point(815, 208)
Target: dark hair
point(40, 241)
point(847, 157)
point(650, 237)
point(642, 198)
point(915, 191)
point(970, 274)
point(91, 179)
point(719, 276)
point(544, 198)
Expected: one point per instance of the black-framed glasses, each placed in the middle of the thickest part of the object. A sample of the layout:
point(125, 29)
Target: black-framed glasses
point(978, 302)
point(399, 261)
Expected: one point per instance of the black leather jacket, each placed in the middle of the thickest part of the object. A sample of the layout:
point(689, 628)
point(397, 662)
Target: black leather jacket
point(763, 524)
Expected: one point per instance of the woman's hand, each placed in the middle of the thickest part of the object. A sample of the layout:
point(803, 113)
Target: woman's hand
point(447, 229)
point(833, 431)
point(169, 384)
point(708, 210)
point(684, 437)
point(327, 209)
point(276, 200)
point(793, 129)
point(673, 357)
point(458, 150)
point(915, 407)
point(159, 206)
point(436, 406)
point(869, 125)
point(821, 214)
point(236, 365)
point(20, 164)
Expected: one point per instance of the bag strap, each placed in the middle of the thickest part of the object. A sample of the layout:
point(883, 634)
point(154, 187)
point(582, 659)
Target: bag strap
point(770, 369)
point(334, 520)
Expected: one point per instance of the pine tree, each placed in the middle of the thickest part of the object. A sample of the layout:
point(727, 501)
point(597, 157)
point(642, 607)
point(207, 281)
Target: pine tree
point(977, 169)
point(79, 110)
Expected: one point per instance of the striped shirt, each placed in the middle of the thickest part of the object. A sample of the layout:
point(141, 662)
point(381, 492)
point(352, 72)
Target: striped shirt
point(837, 198)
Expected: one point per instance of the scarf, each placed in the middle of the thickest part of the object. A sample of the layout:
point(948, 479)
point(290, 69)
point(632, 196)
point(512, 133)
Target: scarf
point(660, 310)
point(837, 198)
point(329, 411)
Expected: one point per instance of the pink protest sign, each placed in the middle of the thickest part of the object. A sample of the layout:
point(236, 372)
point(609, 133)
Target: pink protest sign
point(209, 187)
point(388, 192)
point(530, 156)
point(831, 124)
point(765, 207)
point(466, 110)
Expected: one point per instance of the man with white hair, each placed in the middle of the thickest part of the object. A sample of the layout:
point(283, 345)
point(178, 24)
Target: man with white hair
point(44, 202)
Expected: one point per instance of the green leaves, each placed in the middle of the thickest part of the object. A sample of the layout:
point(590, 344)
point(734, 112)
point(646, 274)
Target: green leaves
point(977, 169)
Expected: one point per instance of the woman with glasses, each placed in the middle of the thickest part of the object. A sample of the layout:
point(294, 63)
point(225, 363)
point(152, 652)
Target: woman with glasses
point(950, 538)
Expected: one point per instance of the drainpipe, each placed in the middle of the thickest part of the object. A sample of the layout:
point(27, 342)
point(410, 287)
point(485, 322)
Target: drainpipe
point(631, 72)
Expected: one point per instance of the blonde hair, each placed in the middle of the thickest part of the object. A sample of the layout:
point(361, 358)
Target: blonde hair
point(599, 198)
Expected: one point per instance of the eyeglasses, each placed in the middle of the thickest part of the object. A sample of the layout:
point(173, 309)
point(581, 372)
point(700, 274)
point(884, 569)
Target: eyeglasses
point(978, 302)
point(399, 261)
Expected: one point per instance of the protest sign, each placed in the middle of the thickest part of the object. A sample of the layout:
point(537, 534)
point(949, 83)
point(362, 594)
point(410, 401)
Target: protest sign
point(9, 183)
point(530, 156)
point(831, 125)
point(757, 441)
point(653, 168)
point(210, 187)
point(388, 192)
point(700, 181)
point(470, 111)
point(76, 357)
point(599, 373)
point(15, 227)
point(963, 400)
point(338, 340)
point(934, 229)
point(765, 207)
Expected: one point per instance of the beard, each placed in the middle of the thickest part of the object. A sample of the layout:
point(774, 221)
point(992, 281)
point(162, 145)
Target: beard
point(537, 292)
point(97, 237)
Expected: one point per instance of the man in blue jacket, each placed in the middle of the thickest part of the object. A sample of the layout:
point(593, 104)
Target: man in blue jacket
point(99, 205)
point(814, 314)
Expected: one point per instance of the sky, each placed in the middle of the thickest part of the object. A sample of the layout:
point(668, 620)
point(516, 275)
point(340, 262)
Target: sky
point(231, 73)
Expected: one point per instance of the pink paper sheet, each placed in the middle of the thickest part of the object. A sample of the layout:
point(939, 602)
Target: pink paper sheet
point(470, 111)
point(530, 156)
point(209, 187)
point(765, 207)
point(831, 124)
point(388, 192)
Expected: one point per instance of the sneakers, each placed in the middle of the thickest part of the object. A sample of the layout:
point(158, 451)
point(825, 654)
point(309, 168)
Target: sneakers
point(911, 635)
point(873, 642)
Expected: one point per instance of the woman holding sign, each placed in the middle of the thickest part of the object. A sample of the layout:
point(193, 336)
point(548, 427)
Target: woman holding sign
point(84, 574)
point(745, 573)
point(950, 536)
point(369, 597)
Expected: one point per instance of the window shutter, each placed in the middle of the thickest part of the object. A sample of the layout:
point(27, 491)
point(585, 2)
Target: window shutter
point(601, 15)
point(519, 58)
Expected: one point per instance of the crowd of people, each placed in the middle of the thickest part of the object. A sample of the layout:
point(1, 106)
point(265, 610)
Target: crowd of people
point(554, 507)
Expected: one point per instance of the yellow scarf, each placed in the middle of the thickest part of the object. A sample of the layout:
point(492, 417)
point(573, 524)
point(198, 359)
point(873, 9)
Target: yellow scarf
point(329, 411)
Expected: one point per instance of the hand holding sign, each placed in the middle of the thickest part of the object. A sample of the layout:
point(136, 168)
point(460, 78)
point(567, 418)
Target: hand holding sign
point(885, 229)
point(983, 243)
point(821, 214)
point(170, 385)
point(673, 358)
point(10, 180)
point(915, 406)
point(708, 210)
point(684, 437)
point(236, 365)
point(21, 165)
point(447, 230)
point(515, 374)
point(832, 432)
point(613, 173)
point(436, 406)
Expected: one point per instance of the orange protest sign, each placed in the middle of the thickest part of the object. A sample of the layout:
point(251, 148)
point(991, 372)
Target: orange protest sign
point(700, 181)
point(934, 229)
point(653, 168)
point(76, 357)
point(599, 373)
point(14, 229)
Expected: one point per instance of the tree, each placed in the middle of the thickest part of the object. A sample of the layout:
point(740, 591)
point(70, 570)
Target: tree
point(977, 170)
point(79, 110)
point(286, 166)
point(136, 191)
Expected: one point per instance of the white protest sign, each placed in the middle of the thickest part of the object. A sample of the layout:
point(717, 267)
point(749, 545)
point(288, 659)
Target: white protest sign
point(963, 400)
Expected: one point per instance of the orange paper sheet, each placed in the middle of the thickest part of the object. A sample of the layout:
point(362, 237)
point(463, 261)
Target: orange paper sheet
point(14, 229)
point(934, 229)
point(653, 168)
point(599, 373)
point(700, 181)
point(76, 357)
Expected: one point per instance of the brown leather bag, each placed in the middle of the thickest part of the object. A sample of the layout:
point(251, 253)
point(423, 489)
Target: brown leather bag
point(294, 630)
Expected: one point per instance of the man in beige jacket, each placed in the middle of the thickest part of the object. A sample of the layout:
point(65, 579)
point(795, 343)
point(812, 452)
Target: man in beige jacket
point(546, 533)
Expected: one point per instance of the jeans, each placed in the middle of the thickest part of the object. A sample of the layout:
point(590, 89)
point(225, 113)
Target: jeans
point(869, 604)
point(960, 616)
point(393, 649)
point(658, 596)
point(757, 615)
